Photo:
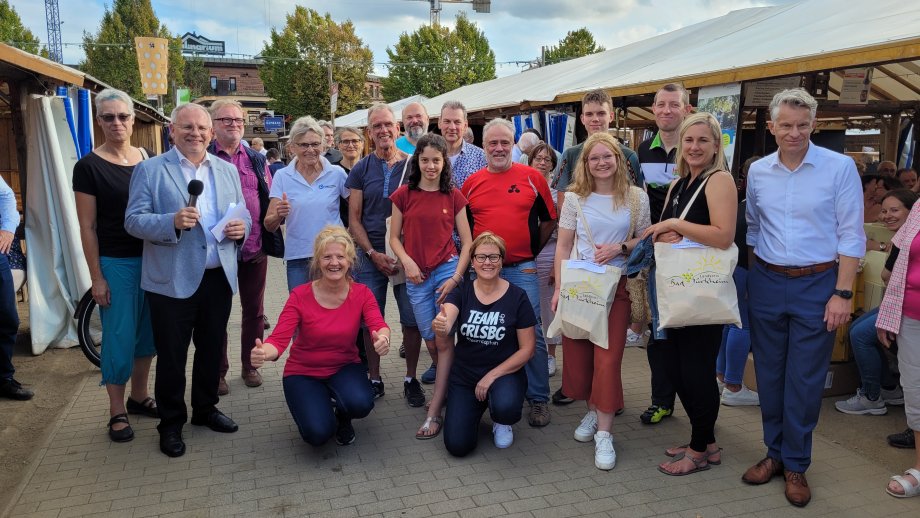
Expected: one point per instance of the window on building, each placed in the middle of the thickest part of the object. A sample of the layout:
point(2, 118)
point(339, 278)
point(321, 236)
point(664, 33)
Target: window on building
point(214, 83)
point(232, 84)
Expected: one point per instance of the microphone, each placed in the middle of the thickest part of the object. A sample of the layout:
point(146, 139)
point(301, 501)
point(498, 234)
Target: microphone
point(195, 188)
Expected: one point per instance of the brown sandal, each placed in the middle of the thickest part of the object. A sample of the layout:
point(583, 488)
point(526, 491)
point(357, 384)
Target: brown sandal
point(424, 433)
point(681, 450)
point(700, 464)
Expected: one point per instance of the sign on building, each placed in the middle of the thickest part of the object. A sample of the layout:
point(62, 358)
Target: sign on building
point(195, 44)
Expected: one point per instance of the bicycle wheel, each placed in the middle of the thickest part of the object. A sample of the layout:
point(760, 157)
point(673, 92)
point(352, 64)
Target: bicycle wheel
point(89, 328)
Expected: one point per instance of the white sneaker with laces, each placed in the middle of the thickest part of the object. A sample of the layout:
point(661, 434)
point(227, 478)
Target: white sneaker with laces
point(502, 435)
point(861, 405)
point(744, 397)
point(587, 428)
point(634, 339)
point(605, 457)
point(551, 364)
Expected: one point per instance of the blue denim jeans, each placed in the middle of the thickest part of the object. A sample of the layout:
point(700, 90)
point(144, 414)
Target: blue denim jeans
point(736, 342)
point(423, 297)
point(368, 274)
point(308, 399)
point(524, 276)
point(464, 411)
point(869, 356)
point(298, 272)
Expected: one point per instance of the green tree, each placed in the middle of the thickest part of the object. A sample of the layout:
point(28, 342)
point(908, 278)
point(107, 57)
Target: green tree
point(434, 60)
point(110, 53)
point(197, 77)
point(297, 59)
point(575, 45)
point(13, 33)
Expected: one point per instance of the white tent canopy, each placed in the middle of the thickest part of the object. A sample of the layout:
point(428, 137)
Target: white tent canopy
point(743, 45)
point(358, 119)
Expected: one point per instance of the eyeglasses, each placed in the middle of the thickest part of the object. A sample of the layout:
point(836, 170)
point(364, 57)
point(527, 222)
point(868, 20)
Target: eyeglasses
point(109, 117)
point(307, 145)
point(492, 258)
point(542, 158)
point(230, 121)
point(349, 142)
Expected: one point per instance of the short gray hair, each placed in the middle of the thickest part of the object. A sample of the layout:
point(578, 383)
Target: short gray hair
point(188, 106)
point(376, 107)
point(325, 124)
point(347, 129)
point(223, 103)
point(795, 98)
point(454, 105)
point(304, 125)
point(505, 123)
point(113, 94)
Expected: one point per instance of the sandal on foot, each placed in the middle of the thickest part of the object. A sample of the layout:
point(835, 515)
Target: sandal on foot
point(147, 407)
point(123, 435)
point(909, 489)
point(698, 465)
point(680, 450)
point(424, 433)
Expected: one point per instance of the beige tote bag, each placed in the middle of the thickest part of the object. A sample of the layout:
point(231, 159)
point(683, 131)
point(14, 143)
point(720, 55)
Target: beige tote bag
point(694, 282)
point(586, 293)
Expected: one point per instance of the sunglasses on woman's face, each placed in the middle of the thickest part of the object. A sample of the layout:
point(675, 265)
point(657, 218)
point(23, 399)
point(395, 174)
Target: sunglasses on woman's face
point(109, 117)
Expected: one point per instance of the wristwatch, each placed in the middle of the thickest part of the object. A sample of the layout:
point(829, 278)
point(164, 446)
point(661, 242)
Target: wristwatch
point(882, 246)
point(844, 294)
point(370, 252)
point(623, 248)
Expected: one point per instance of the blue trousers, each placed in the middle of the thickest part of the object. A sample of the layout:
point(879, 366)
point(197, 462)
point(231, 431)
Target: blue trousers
point(524, 276)
point(9, 320)
point(792, 352)
point(308, 399)
point(869, 356)
point(736, 341)
point(128, 331)
point(464, 411)
point(298, 272)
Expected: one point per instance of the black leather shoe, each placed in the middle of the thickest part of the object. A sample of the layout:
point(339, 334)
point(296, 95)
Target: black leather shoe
point(11, 389)
point(216, 421)
point(171, 443)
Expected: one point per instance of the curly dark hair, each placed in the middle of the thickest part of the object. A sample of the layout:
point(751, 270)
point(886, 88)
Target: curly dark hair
point(437, 142)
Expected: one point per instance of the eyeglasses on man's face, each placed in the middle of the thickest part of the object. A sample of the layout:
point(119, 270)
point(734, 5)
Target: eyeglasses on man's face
point(492, 258)
point(230, 121)
point(110, 117)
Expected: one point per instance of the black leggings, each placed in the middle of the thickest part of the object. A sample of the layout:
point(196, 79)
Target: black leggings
point(690, 362)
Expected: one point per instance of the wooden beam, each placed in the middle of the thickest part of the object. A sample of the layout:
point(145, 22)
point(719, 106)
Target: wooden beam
point(40, 66)
point(898, 79)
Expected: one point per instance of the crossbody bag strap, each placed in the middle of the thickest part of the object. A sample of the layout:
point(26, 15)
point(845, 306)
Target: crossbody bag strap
point(667, 199)
point(584, 221)
point(143, 153)
point(693, 198)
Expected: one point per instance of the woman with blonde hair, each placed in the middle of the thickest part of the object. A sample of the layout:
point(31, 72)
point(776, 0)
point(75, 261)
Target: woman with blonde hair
point(706, 192)
point(600, 219)
point(325, 384)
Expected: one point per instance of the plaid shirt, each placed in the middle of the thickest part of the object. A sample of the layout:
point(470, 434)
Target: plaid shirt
point(470, 160)
point(890, 312)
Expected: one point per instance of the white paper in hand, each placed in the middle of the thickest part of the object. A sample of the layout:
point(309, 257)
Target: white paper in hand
point(234, 211)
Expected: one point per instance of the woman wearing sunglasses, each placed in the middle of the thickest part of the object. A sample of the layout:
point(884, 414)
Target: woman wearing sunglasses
point(100, 184)
point(495, 338)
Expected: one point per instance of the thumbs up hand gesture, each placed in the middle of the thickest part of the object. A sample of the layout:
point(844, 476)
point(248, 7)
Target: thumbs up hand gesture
point(257, 356)
point(284, 206)
point(381, 343)
point(440, 325)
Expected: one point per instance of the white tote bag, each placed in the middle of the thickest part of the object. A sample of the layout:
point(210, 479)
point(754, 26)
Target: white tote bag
point(400, 276)
point(693, 282)
point(586, 294)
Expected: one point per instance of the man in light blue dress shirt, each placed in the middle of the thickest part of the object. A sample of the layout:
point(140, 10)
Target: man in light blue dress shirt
point(805, 229)
point(9, 317)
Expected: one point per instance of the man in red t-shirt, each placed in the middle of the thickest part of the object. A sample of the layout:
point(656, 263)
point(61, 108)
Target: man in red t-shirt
point(514, 201)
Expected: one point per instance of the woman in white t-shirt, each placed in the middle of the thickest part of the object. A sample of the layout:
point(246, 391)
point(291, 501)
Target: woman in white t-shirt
point(615, 213)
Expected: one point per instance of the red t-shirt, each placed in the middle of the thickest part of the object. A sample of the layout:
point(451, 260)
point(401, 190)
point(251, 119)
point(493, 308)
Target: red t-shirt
point(512, 204)
point(428, 219)
point(326, 337)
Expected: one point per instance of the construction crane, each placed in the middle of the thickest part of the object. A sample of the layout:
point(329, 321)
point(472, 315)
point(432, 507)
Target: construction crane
point(53, 18)
point(480, 6)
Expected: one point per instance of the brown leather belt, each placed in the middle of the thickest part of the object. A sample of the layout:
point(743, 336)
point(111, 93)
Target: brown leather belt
point(797, 271)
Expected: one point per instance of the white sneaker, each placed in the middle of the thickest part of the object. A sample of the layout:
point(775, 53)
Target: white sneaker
point(861, 405)
point(502, 435)
point(721, 385)
point(605, 457)
point(893, 397)
point(551, 363)
point(588, 427)
point(744, 397)
point(634, 339)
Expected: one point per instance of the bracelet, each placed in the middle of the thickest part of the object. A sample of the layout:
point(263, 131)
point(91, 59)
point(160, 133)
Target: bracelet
point(452, 277)
point(387, 338)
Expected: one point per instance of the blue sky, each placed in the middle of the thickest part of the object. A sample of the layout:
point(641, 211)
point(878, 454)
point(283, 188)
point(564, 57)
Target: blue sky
point(515, 28)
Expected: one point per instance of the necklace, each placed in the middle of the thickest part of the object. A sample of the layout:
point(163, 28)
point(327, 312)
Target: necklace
point(124, 159)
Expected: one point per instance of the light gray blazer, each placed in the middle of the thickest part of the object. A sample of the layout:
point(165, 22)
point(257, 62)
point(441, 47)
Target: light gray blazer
point(174, 261)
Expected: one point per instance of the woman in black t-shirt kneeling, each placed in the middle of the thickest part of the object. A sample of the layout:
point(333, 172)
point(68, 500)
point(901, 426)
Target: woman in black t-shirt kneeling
point(495, 339)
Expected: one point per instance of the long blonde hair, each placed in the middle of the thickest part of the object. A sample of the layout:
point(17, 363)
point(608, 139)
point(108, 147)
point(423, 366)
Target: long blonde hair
point(718, 161)
point(583, 182)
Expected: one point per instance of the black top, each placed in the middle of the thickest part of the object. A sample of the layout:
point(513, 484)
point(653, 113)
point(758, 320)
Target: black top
point(681, 195)
point(741, 235)
point(109, 183)
point(655, 158)
point(892, 257)
point(486, 333)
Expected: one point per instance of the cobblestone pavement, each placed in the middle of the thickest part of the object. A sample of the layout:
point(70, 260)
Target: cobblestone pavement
point(266, 470)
